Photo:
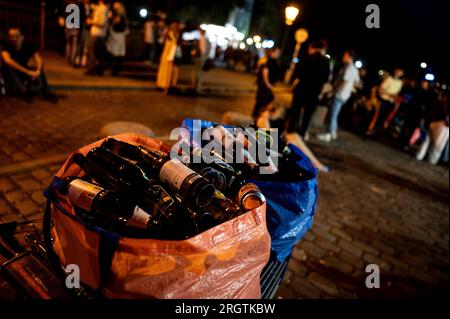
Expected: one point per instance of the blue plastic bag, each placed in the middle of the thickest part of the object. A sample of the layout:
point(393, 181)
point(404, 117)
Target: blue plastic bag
point(290, 205)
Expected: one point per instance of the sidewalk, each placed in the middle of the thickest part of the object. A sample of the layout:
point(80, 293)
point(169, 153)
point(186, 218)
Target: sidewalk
point(139, 76)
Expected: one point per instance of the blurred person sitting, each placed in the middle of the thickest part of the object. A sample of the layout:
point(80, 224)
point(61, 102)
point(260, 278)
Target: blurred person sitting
point(346, 79)
point(273, 117)
point(267, 76)
point(116, 41)
point(98, 23)
point(168, 70)
point(387, 94)
point(23, 68)
point(310, 75)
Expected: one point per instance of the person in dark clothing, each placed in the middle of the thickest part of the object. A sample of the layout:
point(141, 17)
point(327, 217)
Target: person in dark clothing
point(267, 76)
point(311, 73)
point(422, 99)
point(20, 78)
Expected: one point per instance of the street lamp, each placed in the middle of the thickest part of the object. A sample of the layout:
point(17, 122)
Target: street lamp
point(423, 65)
point(291, 13)
point(301, 35)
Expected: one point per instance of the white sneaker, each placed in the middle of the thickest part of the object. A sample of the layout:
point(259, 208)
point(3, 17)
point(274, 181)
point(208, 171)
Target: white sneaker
point(324, 137)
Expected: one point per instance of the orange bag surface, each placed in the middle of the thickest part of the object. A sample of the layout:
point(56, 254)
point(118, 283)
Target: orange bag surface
point(223, 262)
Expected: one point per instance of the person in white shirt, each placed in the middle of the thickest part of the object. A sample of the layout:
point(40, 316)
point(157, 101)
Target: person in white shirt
point(344, 83)
point(391, 86)
point(99, 27)
point(386, 100)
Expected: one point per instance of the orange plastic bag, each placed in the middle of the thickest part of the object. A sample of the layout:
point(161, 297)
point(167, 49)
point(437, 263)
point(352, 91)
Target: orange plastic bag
point(223, 262)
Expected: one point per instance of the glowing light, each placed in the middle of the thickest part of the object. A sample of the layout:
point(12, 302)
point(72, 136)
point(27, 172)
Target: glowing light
point(380, 72)
point(429, 77)
point(291, 13)
point(257, 39)
point(358, 64)
point(249, 41)
point(222, 42)
point(242, 45)
point(444, 86)
point(328, 56)
point(143, 13)
point(267, 44)
point(423, 65)
point(295, 60)
point(258, 45)
point(239, 36)
point(190, 36)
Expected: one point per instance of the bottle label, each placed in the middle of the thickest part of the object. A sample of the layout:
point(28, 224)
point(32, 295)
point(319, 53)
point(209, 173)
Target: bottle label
point(216, 177)
point(139, 219)
point(174, 173)
point(81, 194)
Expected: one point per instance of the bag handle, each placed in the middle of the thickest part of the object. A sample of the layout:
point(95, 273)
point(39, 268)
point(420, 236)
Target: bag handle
point(108, 241)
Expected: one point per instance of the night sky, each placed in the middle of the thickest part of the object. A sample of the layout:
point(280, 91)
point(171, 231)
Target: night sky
point(411, 32)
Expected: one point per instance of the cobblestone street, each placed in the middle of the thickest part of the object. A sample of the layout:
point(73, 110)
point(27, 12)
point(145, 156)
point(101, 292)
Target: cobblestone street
point(377, 205)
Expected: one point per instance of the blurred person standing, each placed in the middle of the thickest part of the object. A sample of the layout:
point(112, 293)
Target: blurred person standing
point(168, 70)
point(437, 123)
point(160, 33)
point(98, 23)
point(200, 55)
point(388, 92)
point(422, 99)
point(149, 40)
point(230, 58)
point(311, 73)
point(346, 79)
point(117, 37)
point(72, 37)
point(83, 44)
point(268, 74)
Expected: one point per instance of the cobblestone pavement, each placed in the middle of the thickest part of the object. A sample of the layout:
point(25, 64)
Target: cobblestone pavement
point(377, 205)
